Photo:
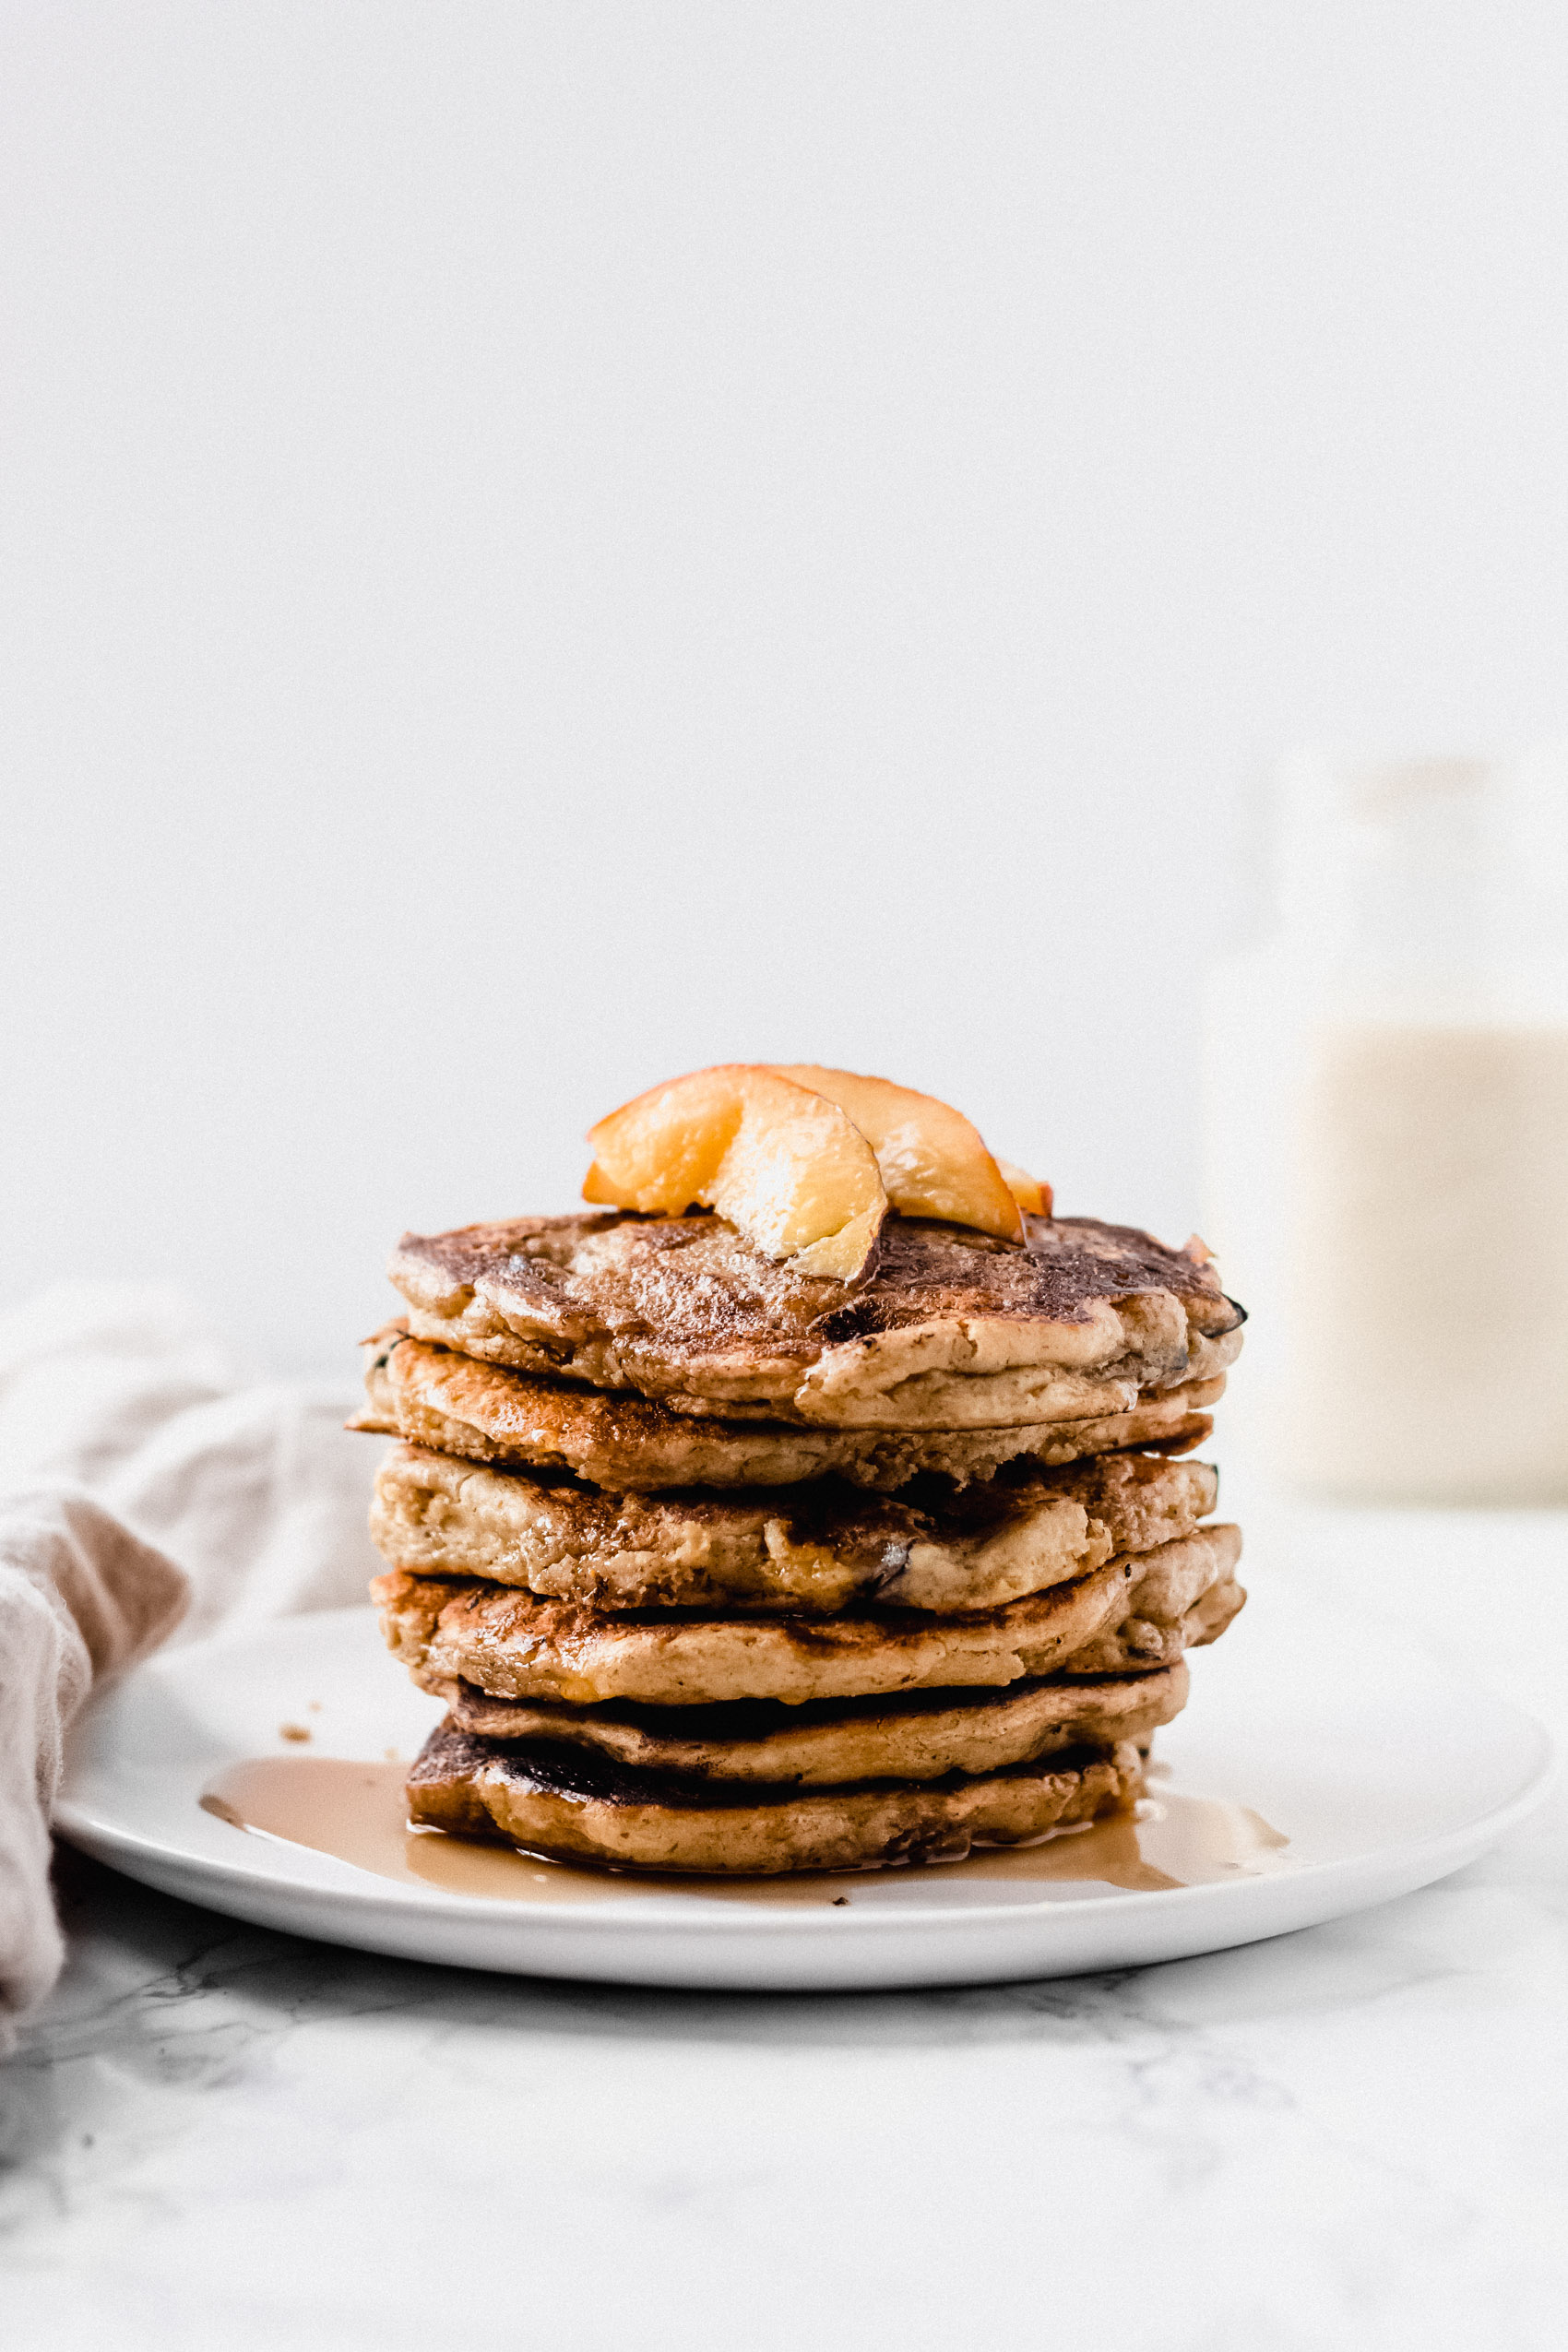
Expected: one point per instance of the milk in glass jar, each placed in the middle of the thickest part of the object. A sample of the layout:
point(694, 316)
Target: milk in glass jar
point(1387, 1135)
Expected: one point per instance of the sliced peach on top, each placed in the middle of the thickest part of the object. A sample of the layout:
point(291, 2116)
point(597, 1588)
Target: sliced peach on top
point(933, 1160)
point(1027, 1191)
point(785, 1165)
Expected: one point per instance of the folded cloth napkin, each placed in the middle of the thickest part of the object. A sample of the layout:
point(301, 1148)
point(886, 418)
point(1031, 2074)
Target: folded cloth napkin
point(149, 1490)
point(80, 1597)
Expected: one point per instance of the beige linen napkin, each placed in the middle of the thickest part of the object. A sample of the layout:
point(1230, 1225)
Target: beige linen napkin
point(80, 1597)
point(149, 1488)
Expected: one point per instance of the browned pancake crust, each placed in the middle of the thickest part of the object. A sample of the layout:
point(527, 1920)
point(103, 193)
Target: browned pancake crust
point(575, 1807)
point(507, 1643)
point(820, 1547)
point(950, 1329)
point(488, 1413)
point(923, 1735)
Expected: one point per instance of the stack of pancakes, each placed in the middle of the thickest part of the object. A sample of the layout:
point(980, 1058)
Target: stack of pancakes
point(722, 1567)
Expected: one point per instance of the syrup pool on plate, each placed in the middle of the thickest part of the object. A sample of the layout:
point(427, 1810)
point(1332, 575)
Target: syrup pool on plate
point(356, 1811)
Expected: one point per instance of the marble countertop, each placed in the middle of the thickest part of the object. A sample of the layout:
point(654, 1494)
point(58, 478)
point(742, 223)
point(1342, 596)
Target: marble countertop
point(1352, 2136)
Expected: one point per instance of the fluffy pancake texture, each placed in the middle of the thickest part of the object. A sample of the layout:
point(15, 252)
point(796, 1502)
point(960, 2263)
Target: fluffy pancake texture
point(579, 1807)
point(1165, 1616)
point(952, 1329)
point(515, 1647)
point(814, 1547)
point(923, 1735)
point(484, 1412)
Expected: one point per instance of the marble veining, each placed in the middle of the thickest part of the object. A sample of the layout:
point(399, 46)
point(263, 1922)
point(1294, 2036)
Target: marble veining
point(1354, 2136)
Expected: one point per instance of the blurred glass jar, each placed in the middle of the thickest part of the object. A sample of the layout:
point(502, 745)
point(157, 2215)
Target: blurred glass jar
point(1386, 1138)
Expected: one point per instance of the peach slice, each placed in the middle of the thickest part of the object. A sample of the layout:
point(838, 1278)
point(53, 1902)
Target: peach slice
point(933, 1160)
point(786, 1166)
point(1027, 1191)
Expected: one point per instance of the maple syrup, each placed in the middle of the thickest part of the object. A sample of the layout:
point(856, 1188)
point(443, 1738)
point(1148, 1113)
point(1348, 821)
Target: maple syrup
point(357, 1813)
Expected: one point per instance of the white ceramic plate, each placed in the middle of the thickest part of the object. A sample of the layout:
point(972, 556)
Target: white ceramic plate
point(1309, 1777)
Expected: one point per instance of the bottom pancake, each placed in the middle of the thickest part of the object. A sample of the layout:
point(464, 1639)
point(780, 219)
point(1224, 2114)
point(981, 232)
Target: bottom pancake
point(917, 1735)
point(576, 1806)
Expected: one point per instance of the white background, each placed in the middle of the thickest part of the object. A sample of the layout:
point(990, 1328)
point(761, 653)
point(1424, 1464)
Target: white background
point(547, 545)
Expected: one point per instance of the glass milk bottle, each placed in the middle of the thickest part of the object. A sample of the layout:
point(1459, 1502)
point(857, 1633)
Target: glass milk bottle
point(1388, 1137)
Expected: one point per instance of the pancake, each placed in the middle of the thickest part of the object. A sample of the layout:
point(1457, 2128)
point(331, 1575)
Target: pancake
point(488, 1413)
point(1161, 1627)
point(950, 1329)
point(517, 1647)
point(576, 1807)
point(1162, 1623)
point(921, 1736)
point(819, 1547)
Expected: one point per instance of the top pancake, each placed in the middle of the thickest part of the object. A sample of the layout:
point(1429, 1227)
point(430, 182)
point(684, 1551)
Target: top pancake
point(951, 1329)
